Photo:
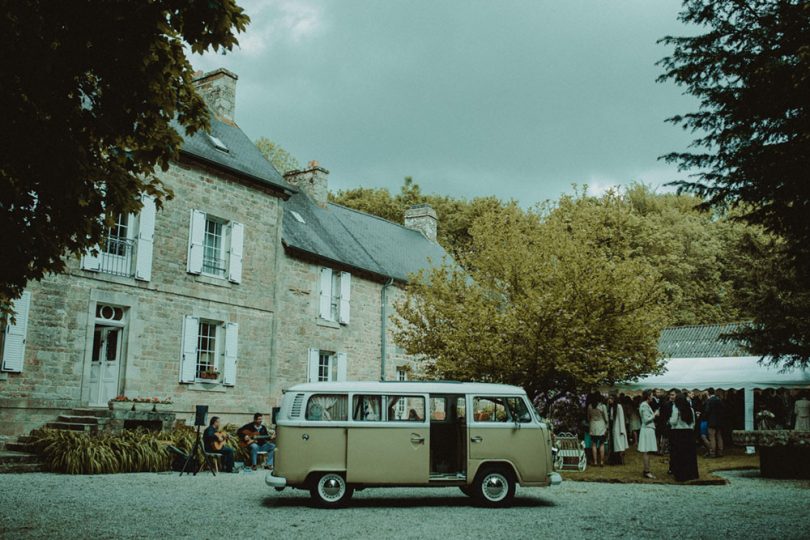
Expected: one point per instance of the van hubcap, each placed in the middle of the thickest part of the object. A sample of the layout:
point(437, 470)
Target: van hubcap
point(331, 487)
point(495, 487)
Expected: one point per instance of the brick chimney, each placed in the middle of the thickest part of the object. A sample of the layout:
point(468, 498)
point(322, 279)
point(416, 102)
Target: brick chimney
point(218, 89)
point(312, 180)
point(422, 218)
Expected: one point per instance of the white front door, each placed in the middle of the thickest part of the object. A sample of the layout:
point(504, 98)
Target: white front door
point(105, 365)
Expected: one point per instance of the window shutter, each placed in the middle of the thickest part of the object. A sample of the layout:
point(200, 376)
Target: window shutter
point(235, 257)
point(146, 236)
point(345, 297)
point(188, 359)
point(196, 237)
point(325, 309)
point(313, 360)
point(92, 262)
point(14, 343)
point(342, 366)
point(231, 353)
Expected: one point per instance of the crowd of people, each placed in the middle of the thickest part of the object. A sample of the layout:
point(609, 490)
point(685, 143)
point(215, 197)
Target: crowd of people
point(678, 423)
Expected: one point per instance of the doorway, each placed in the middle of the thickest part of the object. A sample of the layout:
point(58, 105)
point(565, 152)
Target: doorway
point(448, 437)
point(107, 355)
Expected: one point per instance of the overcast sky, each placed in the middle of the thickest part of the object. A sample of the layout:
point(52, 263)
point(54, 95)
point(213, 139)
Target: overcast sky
point(519, 99)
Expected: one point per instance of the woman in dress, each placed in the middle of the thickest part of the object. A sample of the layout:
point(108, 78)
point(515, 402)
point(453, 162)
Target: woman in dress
point(630, 407)
point(683, 454)
point(801, 410)
point(646, 436)
point(597, 427)
point(618, 431)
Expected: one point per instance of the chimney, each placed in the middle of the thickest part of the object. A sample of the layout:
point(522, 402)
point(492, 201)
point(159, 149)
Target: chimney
point(218, 89)
point(312, 180)
point(422, 218)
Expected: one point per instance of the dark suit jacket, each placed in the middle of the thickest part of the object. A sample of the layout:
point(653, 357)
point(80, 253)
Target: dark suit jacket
point(713, 412)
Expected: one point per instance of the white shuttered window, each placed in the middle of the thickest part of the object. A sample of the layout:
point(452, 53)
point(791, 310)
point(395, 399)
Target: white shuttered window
point(14, 335)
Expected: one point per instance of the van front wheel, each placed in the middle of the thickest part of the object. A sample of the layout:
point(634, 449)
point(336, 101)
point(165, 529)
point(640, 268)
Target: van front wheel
point(495, 486)
point(330, 490)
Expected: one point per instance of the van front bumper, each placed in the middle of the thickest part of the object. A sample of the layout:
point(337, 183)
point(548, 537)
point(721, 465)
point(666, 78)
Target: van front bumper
point(554, 479)
point(277, 482)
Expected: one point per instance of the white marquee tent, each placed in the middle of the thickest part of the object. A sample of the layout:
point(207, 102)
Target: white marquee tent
point(699, 358)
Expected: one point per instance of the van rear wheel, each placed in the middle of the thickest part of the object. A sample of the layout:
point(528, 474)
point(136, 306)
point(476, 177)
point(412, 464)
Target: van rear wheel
point(495, 486)
point(330, 490)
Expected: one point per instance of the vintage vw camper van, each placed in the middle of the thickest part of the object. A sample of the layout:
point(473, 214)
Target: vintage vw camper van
point(333, 438)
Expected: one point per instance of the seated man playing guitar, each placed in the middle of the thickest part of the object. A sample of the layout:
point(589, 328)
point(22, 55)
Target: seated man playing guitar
point(214, 442)
point(256, 437)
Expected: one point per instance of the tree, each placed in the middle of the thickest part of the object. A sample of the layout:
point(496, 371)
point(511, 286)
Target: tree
point(282, 160)
point(456, 215)
point(750, 70)
point(89, 95)
point(553, 300)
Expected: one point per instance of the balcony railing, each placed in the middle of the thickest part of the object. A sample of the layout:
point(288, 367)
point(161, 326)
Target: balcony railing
point(117, 255)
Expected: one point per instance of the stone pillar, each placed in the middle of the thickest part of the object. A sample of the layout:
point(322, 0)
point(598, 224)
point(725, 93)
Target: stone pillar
point(312, 180)
point(422, 218)
point(218, 89)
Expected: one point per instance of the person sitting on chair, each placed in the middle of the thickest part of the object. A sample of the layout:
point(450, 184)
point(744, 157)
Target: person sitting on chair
point(214, 443)
point(255, 437)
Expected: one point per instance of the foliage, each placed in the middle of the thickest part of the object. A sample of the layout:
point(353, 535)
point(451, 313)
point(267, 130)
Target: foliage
point(77, 452)
point(554, 298)
point(282, 160)
point(750, 70)
point(456, 215)
point(89, 96)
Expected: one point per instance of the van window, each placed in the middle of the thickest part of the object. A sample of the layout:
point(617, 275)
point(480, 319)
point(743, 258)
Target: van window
point(490, 409)
point(461, 409)
point(328, 407)
point(367, 408)
point(520, 413)
point(438, 408)
point(406, 408)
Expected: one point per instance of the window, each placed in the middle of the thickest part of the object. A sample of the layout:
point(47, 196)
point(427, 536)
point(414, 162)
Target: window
point(327, 408)
point(438, 408)
point(117, 250)
point(402, 375)
point(367, 408)
point(335, 295)
point(519, 411)
point(490, 409)
point(406, 408)
point(13, 335)
point(218, 144)
point(210, 350)
point(327, 367)
point(215, 247)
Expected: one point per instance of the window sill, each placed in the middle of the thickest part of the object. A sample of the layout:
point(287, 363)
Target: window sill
point(207, 387)
point(327, 323)
point(213, 280)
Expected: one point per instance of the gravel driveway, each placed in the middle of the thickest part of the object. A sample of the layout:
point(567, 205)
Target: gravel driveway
point(240, 505)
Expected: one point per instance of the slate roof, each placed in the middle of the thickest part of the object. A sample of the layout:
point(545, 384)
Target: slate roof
point(357, 240)
point(242, 157)
point(702, 341)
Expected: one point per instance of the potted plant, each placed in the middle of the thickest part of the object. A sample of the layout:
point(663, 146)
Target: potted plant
point(210, 375)
point(162, 405)
point(121, 403)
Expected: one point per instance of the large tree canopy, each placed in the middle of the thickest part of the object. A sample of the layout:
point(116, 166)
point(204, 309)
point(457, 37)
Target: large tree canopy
point(554, 299)
point(88, 96)
point(750, 70)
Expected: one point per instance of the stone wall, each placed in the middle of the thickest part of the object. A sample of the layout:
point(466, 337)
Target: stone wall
point(62, 315)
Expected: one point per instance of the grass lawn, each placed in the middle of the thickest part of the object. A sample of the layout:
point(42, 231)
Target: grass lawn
point(630, 472)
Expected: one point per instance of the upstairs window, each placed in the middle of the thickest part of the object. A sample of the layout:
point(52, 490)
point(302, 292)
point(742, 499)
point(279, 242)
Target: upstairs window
point(210, 350)
point(335, 295)
point(215, 247)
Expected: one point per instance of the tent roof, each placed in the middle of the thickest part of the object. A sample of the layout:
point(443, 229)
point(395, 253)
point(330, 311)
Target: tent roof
point(725, 372)
point(700, 341)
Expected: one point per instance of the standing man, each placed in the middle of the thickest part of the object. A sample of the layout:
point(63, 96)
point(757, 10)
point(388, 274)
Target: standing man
point(257, 439)
point(715, 416)
point(662, 422)
point(214, 443)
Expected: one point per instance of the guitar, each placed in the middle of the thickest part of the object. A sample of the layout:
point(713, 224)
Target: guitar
point(250, 437)
point(218, 444)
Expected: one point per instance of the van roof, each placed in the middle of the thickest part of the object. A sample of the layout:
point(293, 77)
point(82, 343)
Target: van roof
point(429, 387)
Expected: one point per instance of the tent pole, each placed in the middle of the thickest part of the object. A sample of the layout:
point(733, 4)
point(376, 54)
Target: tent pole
point(749, 415)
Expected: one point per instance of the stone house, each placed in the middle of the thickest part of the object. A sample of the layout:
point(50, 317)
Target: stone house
point(219, 298)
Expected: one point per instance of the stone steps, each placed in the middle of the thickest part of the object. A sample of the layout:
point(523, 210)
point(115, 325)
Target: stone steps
point(73, 426)
point(76, 419)
point(98, 413)
point(16, 462)
point(26, 447)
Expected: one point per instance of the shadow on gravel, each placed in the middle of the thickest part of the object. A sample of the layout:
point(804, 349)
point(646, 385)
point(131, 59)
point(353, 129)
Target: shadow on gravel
point(409, 502)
